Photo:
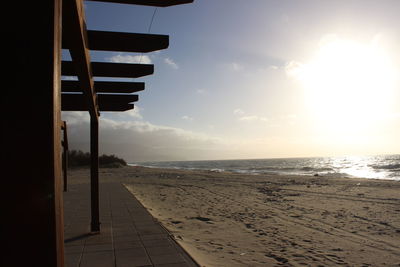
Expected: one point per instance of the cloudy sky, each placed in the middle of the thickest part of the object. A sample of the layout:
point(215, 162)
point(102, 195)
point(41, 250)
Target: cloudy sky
point(255, 79)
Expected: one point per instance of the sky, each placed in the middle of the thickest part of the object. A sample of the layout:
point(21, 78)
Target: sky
point(254, 79)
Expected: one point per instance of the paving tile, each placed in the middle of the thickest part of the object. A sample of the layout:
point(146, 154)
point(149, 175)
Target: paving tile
point(126, 238)
point(99, 239)
point(98, 247)
point(154, 251)
point(132, 257)
point(73, 249)
point(164, 236)
point(72, 259)
point(181, 264)
point(129, 236)
point(157, 243)
point(167, 258)
point(127, 233)
point(134, 262)
point(98, 259)
point(132, 252)
point(128, 244)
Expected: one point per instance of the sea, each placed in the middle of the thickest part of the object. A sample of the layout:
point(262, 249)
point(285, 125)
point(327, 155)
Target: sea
point(374, 167)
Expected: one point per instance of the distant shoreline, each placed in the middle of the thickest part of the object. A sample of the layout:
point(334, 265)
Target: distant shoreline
point(385, 167)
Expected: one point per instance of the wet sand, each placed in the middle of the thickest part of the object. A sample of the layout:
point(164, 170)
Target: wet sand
point(226, 219)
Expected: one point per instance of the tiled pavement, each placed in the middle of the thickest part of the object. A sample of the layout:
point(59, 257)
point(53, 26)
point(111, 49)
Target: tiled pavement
point(129, 236)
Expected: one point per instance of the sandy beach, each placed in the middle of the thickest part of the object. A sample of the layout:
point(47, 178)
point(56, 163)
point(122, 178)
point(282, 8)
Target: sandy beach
point(228, 219)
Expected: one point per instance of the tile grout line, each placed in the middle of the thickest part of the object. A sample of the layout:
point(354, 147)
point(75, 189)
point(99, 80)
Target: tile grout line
point(111, 228)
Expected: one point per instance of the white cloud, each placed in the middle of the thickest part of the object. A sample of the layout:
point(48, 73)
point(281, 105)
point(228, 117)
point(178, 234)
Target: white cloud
point(241, 116)
point(141, 59)
point(129, 136)
point(236, 66)
point(253, 118)
point(293, 68)
point(170, 62)
point(238, 111)
point(187, 118)
point(133, 113)
point(75, 117)
point(201, 91)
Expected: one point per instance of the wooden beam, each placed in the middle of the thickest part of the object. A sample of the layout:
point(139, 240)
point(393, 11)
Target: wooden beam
point(107, 107)
point(157, 3)
point(124, 42)
point(75, 102)
point(104, 87)
point(106, 69)
point(74, 30)
point(102, 98)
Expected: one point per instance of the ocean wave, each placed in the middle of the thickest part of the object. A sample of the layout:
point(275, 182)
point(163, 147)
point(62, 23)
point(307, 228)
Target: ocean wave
point(377, 167)
point(291, 169)
point(317, 169)
point(393, 167)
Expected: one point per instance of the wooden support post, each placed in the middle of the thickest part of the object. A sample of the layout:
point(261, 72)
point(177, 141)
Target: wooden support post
point(65, 165)
point(65, 156)
point(32, 230)
point(94, 173)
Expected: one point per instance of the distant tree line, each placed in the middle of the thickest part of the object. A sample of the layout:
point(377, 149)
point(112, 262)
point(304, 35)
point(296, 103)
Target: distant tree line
point(78, 158)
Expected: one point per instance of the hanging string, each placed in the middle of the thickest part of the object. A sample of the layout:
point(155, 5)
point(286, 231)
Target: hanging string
point(152, 19)
point(149, 29)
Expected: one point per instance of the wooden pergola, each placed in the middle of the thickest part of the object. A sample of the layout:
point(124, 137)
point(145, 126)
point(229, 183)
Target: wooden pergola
point(34, 99)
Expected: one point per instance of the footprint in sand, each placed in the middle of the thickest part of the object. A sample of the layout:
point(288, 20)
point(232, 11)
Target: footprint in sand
point(203, 219)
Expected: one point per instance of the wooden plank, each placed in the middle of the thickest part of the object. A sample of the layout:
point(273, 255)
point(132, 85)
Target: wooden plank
point(119, 98)
point(157, 3)
point(124, 42)
point(105, 87)
point(107, 69)
point(107, 107)
point(74, 30)
point(75, 102)
point(102, 98)
point(32, 230)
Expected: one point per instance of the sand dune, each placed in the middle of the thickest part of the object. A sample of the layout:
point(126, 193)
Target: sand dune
point(226, 219)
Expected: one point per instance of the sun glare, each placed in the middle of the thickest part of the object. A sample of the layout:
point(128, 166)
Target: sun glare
point(348, 84)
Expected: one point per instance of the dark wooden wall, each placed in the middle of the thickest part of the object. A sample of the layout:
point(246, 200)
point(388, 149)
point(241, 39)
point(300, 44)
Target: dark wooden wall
point(31, 187)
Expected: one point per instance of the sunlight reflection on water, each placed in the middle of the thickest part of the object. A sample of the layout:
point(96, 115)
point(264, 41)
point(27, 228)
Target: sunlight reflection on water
point(376, 167)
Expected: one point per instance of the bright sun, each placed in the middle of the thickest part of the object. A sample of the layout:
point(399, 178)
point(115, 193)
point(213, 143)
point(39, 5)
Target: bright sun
point(348, 84)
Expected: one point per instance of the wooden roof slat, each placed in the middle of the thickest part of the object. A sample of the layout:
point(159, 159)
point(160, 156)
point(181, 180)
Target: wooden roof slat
point(71, 106)
point(106, 69)
point(124, 42)
point(74, 30)
point(102, 98)
point(105, 87)
point(157, 3)
point(106, 102)
point(127, 42)
point(123, 98)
